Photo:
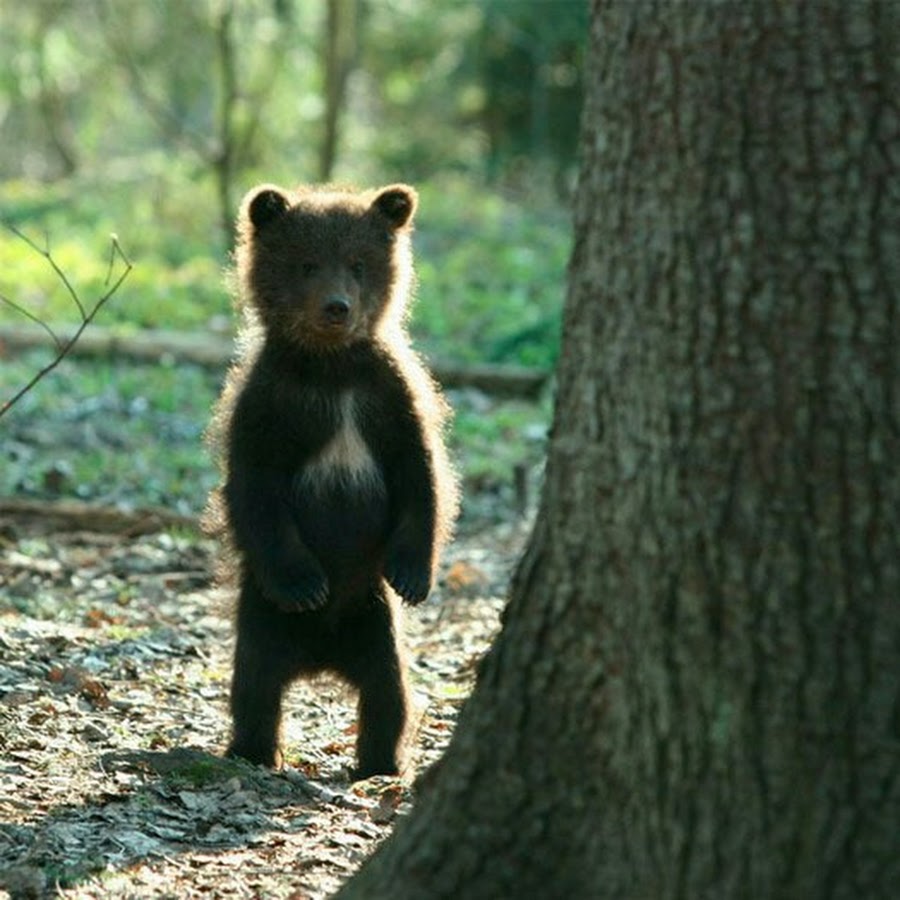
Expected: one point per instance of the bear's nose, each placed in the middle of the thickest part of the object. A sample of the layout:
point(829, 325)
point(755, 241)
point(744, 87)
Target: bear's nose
point(336, 310)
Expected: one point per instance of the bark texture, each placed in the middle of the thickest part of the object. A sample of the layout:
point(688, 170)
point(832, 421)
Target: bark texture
point(696, 692)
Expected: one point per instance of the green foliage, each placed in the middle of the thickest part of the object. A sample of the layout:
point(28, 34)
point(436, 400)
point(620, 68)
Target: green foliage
point(416, 73)
point(110, 431)
point(135, 118)
point(491, 277)
point(205, 771)
point(491, 272)
point(117, 432)
point(530, 57)
point(494, 441)
point(470, 87)
point(131, 118)
point(177, 279)
point(475, 87)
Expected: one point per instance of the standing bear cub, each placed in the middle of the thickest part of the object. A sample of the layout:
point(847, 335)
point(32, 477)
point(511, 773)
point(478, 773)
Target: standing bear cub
point(337, 494)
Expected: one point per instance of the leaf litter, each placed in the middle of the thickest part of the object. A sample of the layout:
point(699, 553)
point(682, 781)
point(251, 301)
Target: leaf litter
point(114, 670)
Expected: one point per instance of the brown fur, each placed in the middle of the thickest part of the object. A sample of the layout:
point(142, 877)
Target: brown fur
point(337, 494)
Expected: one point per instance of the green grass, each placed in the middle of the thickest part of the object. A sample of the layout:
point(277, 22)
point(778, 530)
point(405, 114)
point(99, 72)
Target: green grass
point(116, 432)
point(491, 271)
point(495, 441)
point(491, 277)
point(203, 772)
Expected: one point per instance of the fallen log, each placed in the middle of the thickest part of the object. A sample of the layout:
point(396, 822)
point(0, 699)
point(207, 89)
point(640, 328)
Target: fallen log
point(54, 516)
point(215, 351)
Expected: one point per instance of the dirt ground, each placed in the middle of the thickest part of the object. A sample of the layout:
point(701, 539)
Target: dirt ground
point(114, 668)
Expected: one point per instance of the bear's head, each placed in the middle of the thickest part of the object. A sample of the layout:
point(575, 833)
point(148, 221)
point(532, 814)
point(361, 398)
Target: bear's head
point(322, 268)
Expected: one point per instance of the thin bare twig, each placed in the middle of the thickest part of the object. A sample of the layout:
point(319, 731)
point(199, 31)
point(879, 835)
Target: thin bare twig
point(36, 319)
point(87, 316)
point(45, 252)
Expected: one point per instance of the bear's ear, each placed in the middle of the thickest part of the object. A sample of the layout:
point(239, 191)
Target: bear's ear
point(265, 205)
point(397, 204)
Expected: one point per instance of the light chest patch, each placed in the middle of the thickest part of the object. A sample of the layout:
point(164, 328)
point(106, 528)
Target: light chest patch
point(346, 457)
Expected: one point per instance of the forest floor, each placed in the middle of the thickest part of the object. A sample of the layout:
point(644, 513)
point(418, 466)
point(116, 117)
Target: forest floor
point(115, 649)
point(114, 668)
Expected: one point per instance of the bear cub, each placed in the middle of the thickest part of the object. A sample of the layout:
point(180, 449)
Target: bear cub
point(337, 493)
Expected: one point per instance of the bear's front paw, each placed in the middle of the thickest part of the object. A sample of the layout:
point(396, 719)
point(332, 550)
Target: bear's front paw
point(409, 575)
point(298, 590)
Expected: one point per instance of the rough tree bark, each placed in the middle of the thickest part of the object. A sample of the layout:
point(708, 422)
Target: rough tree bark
point(696, 692)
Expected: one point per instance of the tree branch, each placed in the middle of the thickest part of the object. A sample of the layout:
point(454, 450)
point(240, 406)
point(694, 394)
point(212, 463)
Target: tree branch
point(87, 316)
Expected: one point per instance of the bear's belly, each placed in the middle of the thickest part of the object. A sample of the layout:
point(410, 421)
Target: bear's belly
point(341, 503)
point(344, 524)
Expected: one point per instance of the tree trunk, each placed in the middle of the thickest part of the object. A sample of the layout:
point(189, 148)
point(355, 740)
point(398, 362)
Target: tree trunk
point(696, 693)
point(223, 157)
point(339, 55)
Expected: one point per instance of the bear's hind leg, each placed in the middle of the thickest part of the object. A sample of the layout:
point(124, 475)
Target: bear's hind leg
point(262, 669)
point(375, 665)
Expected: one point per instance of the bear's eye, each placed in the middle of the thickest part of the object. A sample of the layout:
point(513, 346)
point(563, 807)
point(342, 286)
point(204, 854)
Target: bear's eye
point(356, 269)
point(309, 268)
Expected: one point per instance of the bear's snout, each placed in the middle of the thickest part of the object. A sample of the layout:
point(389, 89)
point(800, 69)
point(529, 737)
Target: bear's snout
point(336, 310)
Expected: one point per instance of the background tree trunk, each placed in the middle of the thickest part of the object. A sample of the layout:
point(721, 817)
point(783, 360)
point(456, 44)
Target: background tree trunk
point(223, 155)
point(338, 60)
point(696, 692)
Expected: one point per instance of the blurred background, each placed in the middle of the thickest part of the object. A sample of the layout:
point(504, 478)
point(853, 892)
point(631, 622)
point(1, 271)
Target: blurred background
point(150, 119)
